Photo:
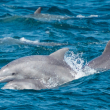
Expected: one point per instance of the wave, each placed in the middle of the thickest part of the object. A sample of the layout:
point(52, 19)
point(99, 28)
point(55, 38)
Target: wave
point(53, 10)
point(90, 16)
point(7, 17)
point(57, 10)
point(52, 17)
point(24, 41)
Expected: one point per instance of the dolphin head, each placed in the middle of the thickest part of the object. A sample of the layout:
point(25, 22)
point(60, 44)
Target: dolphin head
point(10, 73)
point(22, 68)
point(37, 67)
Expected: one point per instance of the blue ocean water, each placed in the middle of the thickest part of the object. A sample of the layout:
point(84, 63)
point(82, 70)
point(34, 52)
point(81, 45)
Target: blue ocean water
point(85, 33)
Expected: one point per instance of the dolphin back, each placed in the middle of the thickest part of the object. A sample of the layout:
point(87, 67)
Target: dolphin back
point(103, 61)
point(38, 11)
point(59, 55)
point(107, 48)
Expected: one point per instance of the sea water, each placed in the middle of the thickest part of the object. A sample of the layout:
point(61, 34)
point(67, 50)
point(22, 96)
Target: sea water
point(85, 32)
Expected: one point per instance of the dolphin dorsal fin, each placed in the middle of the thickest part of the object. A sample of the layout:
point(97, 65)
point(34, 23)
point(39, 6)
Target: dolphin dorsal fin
point(107, 48)
point(38, 11)
point(59, 54)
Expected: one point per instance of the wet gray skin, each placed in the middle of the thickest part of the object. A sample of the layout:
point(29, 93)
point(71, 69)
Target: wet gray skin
point(103, 61)
point(37, 71)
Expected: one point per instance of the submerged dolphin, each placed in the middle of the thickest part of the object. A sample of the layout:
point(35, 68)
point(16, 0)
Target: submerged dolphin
point(37, 72)
point(103, 61)
point(37, 15)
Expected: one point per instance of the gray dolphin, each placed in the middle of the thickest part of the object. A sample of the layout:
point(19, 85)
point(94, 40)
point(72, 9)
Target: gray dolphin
point(44, 72)
point(37, 72)
point(103, 61)
point(41, 16)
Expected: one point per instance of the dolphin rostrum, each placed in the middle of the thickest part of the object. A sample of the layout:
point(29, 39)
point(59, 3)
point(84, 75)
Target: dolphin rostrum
point(103, 61)
point(37, 72)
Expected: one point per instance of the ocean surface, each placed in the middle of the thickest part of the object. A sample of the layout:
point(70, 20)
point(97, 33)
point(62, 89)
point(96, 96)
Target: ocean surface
point(83, 26)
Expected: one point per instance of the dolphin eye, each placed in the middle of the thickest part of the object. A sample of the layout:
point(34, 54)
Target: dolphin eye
point(13, 73)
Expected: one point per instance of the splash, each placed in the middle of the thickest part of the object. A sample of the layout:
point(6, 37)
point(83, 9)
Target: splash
point(77, 63)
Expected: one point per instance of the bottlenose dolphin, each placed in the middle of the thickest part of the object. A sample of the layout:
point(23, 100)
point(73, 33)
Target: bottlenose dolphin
point(102, 62)
point(41, 16)
point(37, 72)
point(44, 72)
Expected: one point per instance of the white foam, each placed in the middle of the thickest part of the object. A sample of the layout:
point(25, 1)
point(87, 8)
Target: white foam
point(36, 42)
point(91, 16)
point(29, 41)
point(10, 41)
point(80, 16)
point(76, 63)
point(50, 83)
